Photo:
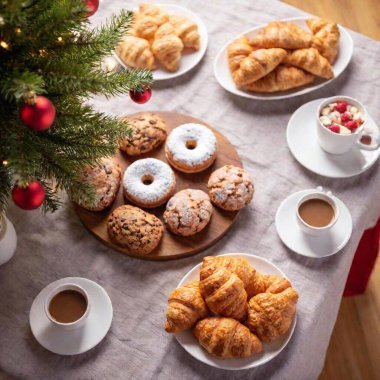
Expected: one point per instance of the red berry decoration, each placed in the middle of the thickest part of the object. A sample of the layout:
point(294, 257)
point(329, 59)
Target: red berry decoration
point(140, 96)
point(351, 125)
point(341, 107)
point(29, 197)
point(38, 114)
point(92, 6)
point(334, 128)
point(345, 117)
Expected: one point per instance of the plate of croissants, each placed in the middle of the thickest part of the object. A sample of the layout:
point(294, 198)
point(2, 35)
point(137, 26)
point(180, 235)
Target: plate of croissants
point(283, 59)
point(233, 311)
point(168, 39)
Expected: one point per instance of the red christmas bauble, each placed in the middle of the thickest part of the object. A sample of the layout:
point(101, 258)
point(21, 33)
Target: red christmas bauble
point(39, 116)
point(141, 96)
point(92, 6)
point(29, 197)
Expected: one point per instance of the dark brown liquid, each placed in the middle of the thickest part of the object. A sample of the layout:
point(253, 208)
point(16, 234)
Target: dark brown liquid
point(316, 212)
point(67, 306)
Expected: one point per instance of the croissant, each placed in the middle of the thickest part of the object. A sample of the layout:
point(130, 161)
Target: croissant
point(281, 35)
point(135, 52)
point(186, 307)
point(145, 27)
point(224, 293)
point(237, 51)
point(270, 315)
point(258, 64)
point(167, 47)
point(226, 338)
point(310, 60)
point(187, 31)
point(326, 37)
point(280, 79)
point(153, 11)
point(239, 266)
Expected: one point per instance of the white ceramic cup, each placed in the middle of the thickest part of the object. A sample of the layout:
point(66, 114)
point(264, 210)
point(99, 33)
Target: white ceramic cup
point(336, 143)
point(318, 193)
point(60, 288)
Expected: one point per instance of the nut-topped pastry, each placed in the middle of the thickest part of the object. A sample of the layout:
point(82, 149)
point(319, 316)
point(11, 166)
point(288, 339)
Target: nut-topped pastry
point(230, 188)
point(148, 132)
point(135, 229)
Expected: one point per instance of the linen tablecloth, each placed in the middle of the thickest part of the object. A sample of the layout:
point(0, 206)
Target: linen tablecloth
point(137, 347)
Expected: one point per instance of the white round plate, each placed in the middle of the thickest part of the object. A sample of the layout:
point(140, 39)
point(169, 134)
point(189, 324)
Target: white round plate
point(81, 339)
point(189, 58)
point(187, 340)
point(223, 74)
point(301, 135)
point(308, 245)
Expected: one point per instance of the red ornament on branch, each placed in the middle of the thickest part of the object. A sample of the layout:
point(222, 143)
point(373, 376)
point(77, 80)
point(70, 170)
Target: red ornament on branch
point(92, 6)
point(141, 96)
point(37, 113)
point(29, 197)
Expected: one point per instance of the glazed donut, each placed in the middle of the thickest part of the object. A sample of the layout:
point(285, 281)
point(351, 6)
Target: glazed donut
point(148, 182)
point(191, 148)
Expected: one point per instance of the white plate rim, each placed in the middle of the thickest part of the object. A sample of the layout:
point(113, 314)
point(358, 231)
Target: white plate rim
point(252, 365)
point(299, 109)
point(305, 192)
point(303, 90)
point(204, 37)
point(75, 281)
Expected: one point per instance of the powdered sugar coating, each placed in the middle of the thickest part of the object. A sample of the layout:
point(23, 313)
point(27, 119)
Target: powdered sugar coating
point(188, 212)
point(205, 144)
point(161, 186)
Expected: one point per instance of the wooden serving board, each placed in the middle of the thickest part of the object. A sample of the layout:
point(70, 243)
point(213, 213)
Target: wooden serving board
point(172, 246)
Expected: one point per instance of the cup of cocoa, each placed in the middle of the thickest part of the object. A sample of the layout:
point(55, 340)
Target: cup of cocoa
point(317, 212)
point(67, 306)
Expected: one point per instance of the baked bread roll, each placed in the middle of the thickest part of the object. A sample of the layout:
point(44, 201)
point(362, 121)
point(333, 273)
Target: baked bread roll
point(226, 338)
point(167, 47)
point(310, 60)
point(187, 31)
point(224, 293)
point(280, 79)
point(270, 315)
point(280, 34)
point(237, 51)
point(155, 12)
point(186, 307)
point(135, 52)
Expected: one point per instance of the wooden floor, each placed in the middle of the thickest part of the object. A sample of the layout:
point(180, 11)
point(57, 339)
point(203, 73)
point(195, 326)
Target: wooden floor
point(354, 351)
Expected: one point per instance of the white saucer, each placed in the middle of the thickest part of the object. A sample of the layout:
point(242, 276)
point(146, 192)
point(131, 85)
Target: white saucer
point(81, 339)
point(187, 340)
point(301, 135)
point(308, 245)
point(189, 58)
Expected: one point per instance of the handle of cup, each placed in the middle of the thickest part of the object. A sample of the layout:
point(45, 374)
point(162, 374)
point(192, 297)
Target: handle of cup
point(375, 141)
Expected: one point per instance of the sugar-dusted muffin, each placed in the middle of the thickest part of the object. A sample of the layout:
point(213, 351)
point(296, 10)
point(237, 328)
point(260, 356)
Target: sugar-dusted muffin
point(135, 229)
point(230, 188)
point(105, 179)
point(188, 212)
point(148, 132)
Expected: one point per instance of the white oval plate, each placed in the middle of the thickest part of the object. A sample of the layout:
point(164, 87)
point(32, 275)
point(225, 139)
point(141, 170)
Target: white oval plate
point(187, 340)
point(223, 74)
point(81, 339)
point(308, 245)
point(190, 58)
point(301, 136)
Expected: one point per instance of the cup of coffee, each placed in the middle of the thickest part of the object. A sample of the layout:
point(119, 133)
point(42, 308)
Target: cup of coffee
point(341, 123)
point(317, 212)
point(67, 306)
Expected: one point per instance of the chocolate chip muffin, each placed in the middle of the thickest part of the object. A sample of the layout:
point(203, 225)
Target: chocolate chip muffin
point(230, 188)
point(135, 229)
point(148, 132)
point(105, 180)
point(188, 212)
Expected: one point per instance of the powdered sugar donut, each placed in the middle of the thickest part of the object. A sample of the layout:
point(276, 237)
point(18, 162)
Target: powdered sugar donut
point(148, 182)
point(191, 148)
